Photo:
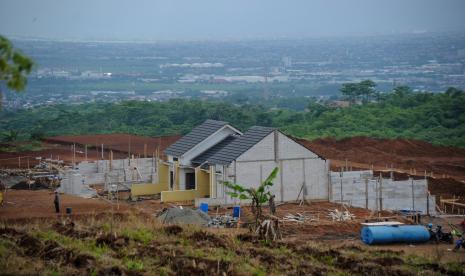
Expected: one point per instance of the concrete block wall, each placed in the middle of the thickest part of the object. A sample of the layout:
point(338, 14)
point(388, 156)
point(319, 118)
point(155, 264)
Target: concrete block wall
point(72, 183)
point(297, 166)
point(360, 189)
point(122, 170)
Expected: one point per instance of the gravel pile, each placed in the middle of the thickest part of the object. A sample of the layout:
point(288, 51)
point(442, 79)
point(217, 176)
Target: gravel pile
point(184, 216)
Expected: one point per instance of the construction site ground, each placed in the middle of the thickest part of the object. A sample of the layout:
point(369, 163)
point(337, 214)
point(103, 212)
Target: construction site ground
point(360, 152)
point(403, 156)
point(26, 206)
point(399, 154)
point(73, 148)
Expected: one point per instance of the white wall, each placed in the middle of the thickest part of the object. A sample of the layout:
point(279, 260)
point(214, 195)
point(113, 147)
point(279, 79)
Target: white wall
point(96, 172)
point(360, 189)
point(297, 165)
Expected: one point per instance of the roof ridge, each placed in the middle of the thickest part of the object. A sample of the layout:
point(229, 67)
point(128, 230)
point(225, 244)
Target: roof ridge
point(240, 145)
point(195, 136)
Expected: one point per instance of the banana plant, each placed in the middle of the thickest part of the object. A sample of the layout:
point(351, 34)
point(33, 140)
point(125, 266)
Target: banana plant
point(258, 196)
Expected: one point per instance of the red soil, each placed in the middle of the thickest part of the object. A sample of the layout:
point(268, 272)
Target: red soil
point(403, 155)
point(119, 142)
point(60, 147)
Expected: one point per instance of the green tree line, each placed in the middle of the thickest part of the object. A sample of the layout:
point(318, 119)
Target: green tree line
point(438, 118)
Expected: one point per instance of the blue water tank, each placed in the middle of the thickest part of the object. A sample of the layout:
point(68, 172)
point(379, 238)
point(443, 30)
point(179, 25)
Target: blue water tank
point(394, 234)
point(236, 211)
point(204, 207)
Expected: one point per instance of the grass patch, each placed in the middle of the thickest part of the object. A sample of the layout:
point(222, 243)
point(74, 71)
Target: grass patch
point(30, 146)
point(142, 235)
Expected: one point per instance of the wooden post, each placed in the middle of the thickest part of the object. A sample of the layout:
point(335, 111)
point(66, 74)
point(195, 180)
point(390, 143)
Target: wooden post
point(380, 192)
point(145, 150)
point(111, 160)
point(102, 151)
point(19, 162)
point(342, 198)
point(85, 150)
point(366, 193)
point(413, 195)
point(129, 147)
point(427, 203)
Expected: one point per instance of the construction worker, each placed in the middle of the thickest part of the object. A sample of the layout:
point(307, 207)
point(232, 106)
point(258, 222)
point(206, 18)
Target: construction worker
point(56, 201)
point(460, 242)
point(272, 205)
point(2, 190)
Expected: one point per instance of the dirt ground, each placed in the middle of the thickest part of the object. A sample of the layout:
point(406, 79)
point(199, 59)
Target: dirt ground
point(360, 152)
point(124, 143)
point(402, 154)
point(24, 205)
point(61, 147)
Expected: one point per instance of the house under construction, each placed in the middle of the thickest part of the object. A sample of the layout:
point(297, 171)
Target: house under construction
point(197, 165)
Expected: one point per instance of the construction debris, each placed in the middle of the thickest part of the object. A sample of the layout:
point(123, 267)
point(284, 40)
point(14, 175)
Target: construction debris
point(177, 215)
point(298, 217)
point(223, 221)
point(337, 215)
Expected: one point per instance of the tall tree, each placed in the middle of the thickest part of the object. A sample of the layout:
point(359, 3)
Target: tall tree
point(349, 90)
point(367, 89)
point(14, 67)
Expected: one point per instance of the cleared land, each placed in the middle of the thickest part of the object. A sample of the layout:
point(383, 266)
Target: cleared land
point(360, 152)
point(61, 147)
point(33, 240)
point(402, 155)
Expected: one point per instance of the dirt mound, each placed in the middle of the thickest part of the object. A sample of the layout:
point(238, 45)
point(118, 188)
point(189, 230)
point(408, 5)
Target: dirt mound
point(184, 216)
point(137, 145)
point(401, 154)
point(446, 187)
point(61, 147)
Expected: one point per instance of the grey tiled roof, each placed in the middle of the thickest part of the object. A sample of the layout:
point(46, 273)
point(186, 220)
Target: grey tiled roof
point(197, 135)
point(213, 150)
point(240, 145)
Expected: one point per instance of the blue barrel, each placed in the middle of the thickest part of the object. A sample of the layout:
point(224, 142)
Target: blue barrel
point(204, 207)
point(236, 211)
point(394, 234)
point(69, 210)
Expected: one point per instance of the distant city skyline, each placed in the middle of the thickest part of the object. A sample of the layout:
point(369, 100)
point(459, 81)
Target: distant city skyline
point(144, 20)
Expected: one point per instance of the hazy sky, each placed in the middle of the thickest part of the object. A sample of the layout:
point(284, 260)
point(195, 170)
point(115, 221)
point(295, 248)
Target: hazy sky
point(225, 19)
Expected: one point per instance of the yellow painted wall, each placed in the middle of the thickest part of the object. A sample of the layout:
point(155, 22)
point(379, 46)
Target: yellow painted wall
point(202, 179)
point(152, 189)
point(163, 174)
point(147, 189)
point(176, 175)
point(173, 196)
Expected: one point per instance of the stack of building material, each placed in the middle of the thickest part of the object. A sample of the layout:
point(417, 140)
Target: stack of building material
point(337, 215)
point(298, 217)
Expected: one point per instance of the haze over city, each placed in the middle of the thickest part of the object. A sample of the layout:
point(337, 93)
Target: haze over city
point(220, 20)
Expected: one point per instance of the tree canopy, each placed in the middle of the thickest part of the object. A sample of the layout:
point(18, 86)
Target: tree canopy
point(438, 118)
point(14, 67)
